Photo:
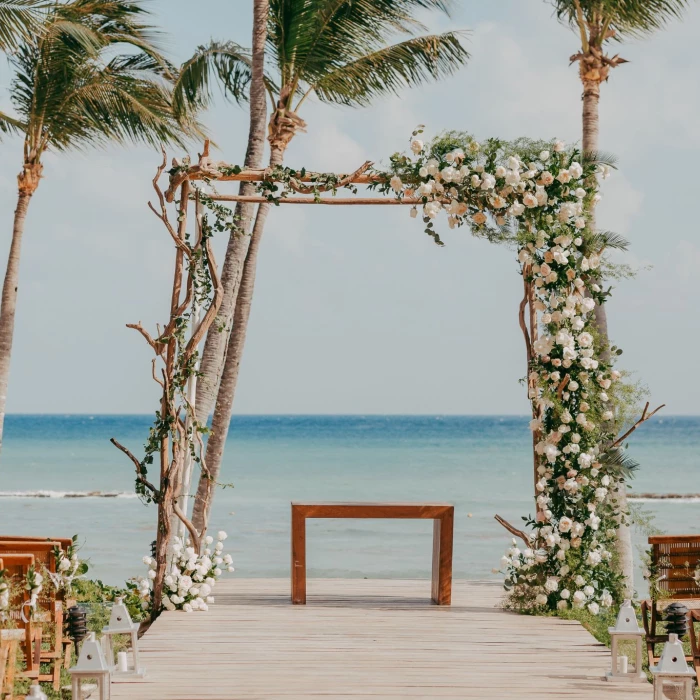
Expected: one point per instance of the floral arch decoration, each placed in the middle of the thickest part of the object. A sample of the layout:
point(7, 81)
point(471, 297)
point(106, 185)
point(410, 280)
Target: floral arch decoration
point(538, 197)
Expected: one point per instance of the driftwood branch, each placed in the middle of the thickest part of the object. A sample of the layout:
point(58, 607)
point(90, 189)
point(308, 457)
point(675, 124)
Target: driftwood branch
point(562, 385)
point(163, 214)
point(342, 201)
point(645, 417)
point(157, 347)
point(513, 530)
point(194, 535)
point(207, 170)
point(140, 478)
point(521, 317)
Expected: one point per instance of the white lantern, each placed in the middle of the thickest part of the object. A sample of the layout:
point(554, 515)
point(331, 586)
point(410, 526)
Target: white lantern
point(36, 693)
point(91, 664)
point(626, 629)
point(120, 623)
point(672, 673)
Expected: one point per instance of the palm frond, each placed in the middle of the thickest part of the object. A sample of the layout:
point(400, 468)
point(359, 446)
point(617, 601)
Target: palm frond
point(599, 158)
point(311, 38)
point(19, 20)
point(608, 239)
point(10, 125)
point(408, 63)
point(619, 463)
point(628, 18)
point(226, 62)
point(126, 101)
point(70, 90)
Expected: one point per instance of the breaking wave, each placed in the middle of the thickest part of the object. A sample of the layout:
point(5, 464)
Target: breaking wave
point(67, 494)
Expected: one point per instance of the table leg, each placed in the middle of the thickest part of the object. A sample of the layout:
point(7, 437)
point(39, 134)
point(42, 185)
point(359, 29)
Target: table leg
point(443, 534)
point(298, 572)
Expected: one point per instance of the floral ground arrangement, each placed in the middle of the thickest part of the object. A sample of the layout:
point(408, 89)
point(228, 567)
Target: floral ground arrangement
point(191, 579)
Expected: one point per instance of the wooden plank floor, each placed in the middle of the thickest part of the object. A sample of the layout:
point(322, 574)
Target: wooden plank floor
point(368, 639)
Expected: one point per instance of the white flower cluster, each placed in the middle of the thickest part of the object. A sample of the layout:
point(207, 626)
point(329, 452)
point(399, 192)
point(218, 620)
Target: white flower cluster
point(4, 596)
point(460, 184)
point(547, 195)
point(34, 584)
point(68, 568)
point(189, 583)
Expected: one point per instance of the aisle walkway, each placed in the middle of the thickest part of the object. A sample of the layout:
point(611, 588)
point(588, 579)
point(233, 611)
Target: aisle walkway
point(368, 639)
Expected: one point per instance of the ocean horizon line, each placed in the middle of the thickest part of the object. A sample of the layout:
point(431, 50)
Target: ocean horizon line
point(88, 414)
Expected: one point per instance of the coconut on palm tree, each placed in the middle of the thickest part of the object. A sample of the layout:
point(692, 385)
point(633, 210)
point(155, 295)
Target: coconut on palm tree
point(340, 52)
point(599, 25)
point(70, 89)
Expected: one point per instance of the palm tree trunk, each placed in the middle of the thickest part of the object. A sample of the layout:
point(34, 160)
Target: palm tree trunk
point(625, 553)
point(229, 377)
point(9, 300)
point(214, 351)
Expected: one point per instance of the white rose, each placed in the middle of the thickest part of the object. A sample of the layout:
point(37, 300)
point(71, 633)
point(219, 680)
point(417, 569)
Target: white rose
point(396, 183)
point(575, 170)
point(187, 608)
point(565, 524)
point(562, 605)
point(559, 146)
point(416, 146)
point(544, 156)
point(541, 599)
point(530, 200)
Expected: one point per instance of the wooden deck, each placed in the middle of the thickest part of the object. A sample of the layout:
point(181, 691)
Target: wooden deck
point(368, 639)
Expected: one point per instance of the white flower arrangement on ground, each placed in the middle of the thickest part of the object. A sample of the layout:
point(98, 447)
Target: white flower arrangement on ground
point(540, 196)
point(191, 578)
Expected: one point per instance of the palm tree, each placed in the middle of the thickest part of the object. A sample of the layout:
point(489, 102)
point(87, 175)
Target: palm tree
point(19, 20)
point(598, 23)
point(67, 93)
point(338, 51)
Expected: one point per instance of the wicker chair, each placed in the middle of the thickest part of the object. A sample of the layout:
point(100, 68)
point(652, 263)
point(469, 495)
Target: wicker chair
point(674, 559)
point(49, 612)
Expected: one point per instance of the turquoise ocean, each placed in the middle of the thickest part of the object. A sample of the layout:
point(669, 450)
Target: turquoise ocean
point(481, 464)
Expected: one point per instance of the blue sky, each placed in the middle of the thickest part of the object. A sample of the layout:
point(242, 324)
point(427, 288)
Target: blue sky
point(356, 311)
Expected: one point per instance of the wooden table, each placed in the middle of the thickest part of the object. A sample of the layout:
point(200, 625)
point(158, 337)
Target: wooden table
point(442, 515)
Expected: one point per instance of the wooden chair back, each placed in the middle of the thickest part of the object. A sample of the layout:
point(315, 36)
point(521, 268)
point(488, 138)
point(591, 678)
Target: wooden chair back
point(64, 542)
point(42, 551)
point(16, 567)
point(674, 559)
point(49, 609)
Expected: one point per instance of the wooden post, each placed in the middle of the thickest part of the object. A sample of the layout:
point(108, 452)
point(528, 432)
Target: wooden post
point(443, 531)
point(298, 567)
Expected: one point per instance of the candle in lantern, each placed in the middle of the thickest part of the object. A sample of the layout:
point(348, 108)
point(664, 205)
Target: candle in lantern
point(122, 664)
point(623, 664)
